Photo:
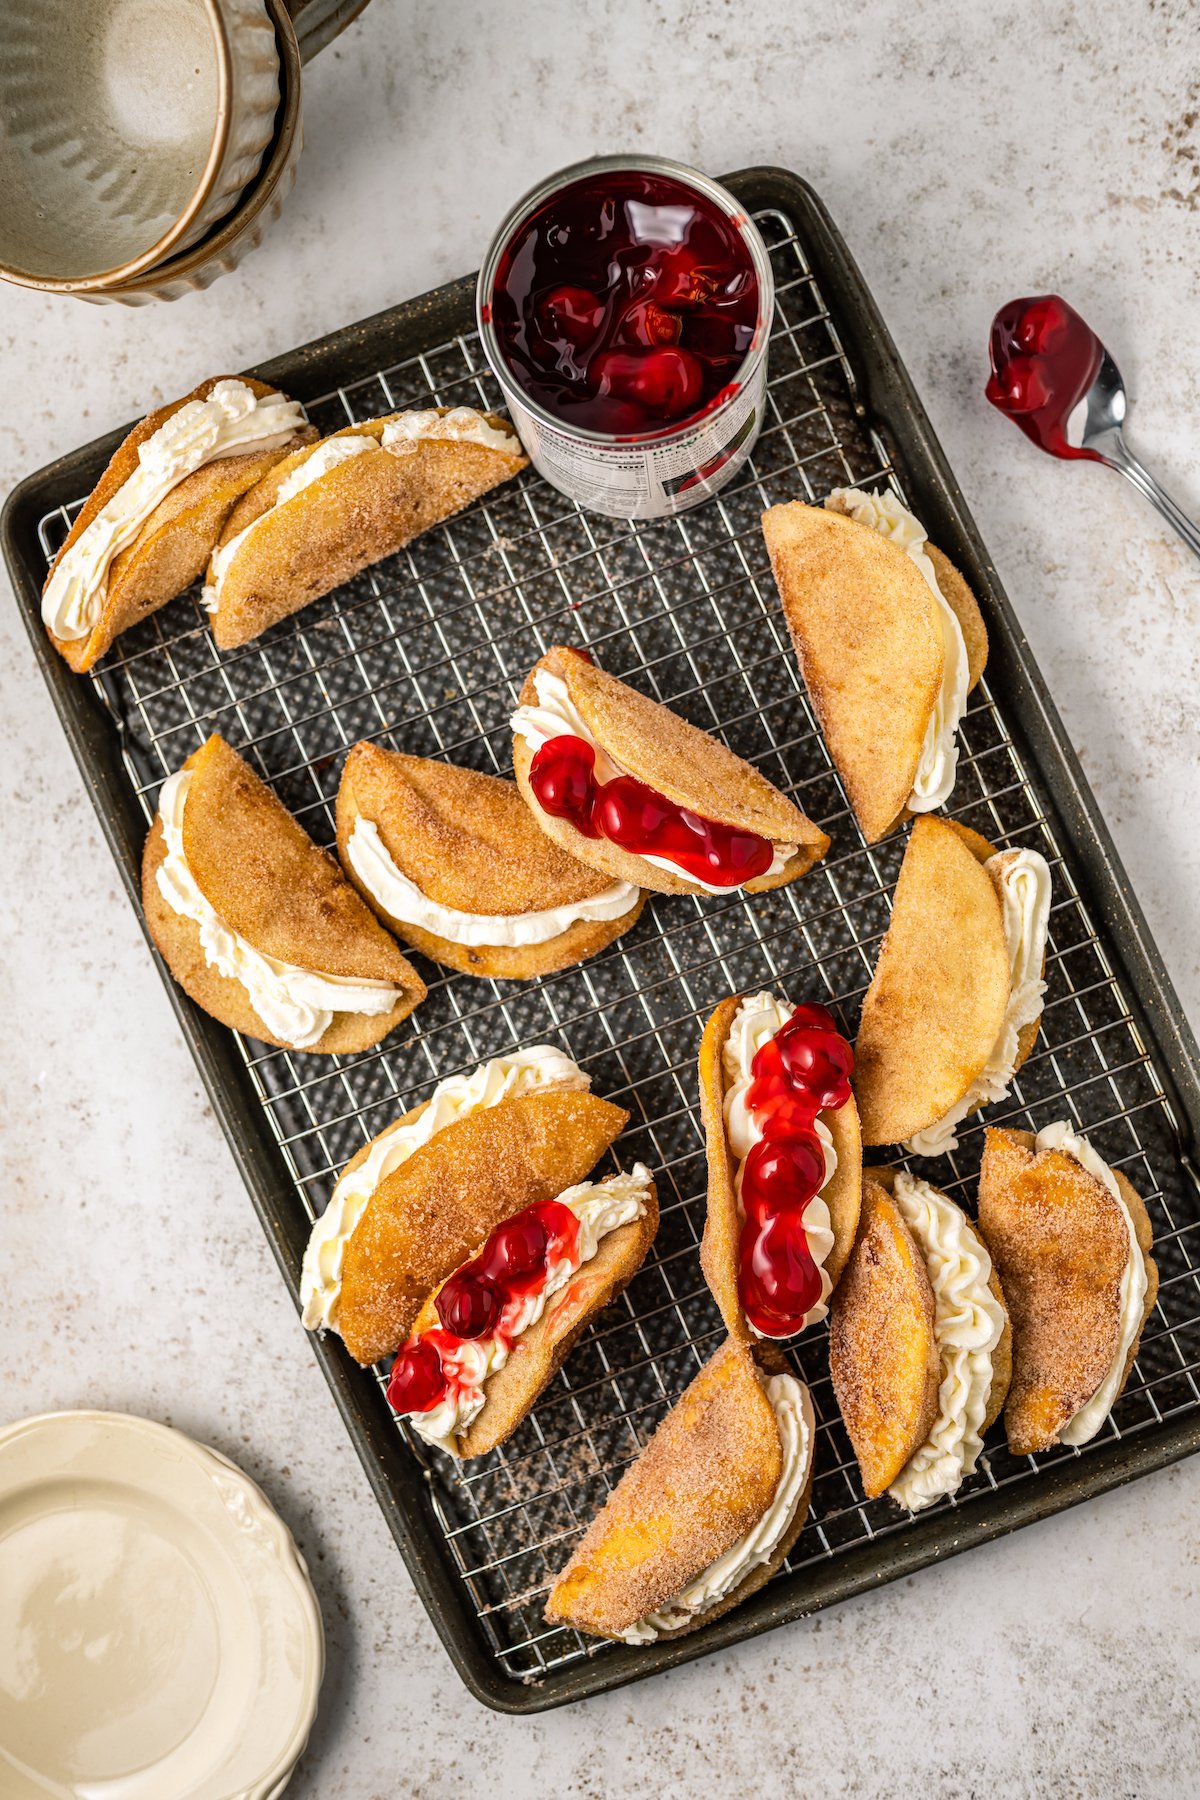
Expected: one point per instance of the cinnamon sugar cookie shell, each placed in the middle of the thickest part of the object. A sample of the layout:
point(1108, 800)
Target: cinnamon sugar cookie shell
point(268, 881)
point(940, 989)
point(1061, 1246)
point(677, 760)
point(468, 841)
point(431, 1214)
point(360, 511)
point(705, 1479)
point(883, 1354)
point(868, 638)
point(173, 547)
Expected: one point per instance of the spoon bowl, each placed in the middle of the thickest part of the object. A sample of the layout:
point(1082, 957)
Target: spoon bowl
point(1057, 382)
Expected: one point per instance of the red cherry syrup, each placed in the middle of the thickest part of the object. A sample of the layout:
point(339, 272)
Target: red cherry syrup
point(803, 1070)
point(626, 303)
point(483, 1299)
point(1044, 360)
point(636, 818)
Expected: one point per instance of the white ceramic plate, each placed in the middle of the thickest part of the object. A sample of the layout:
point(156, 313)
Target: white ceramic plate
point(159, 1636)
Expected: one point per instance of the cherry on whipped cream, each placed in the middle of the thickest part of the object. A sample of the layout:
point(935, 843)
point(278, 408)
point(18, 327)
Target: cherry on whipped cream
point(803, 1070)
point(483, 1299)
point(625, 303)
point(636, 818)
point(416, 1382)
point(1044, 359)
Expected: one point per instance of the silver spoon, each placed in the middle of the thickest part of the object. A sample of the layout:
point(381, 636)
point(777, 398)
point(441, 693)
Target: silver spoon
point(1054, 378)
point(1101, 433)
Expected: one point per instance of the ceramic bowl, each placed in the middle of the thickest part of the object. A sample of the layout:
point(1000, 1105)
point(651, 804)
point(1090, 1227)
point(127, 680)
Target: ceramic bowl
point(130, 128)
point(243, 229)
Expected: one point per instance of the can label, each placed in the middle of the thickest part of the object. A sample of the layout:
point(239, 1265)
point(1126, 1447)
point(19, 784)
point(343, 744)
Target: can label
point(654, 480)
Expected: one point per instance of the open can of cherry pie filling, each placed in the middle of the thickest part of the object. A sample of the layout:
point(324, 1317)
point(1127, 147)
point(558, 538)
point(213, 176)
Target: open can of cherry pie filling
point(625, 307)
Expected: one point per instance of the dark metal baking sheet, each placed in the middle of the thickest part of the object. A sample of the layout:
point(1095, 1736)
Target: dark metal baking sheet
point(874, 405)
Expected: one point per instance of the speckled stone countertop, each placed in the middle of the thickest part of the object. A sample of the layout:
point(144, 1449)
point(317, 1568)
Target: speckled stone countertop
point(968, 154)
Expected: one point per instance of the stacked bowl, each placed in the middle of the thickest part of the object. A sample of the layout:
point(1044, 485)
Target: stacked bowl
point(148, 144)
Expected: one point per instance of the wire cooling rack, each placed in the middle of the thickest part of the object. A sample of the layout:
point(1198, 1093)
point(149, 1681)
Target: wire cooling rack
point(425, 653)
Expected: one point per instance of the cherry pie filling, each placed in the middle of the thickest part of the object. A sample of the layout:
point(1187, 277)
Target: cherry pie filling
point(627, 302)
point(487, 1298)
point(803, 1070)
point(636, 818)
point(1044, 360)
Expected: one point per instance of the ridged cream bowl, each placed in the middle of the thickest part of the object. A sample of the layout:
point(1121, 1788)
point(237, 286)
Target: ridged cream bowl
point(129, 128)
point(257, 208)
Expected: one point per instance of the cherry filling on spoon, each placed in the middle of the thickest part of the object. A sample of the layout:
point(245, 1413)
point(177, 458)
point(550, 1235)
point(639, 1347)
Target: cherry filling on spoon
point(1044, 360)
point(803, 1070)
point(485, 1298)
point(636, 818)
point(626, 303)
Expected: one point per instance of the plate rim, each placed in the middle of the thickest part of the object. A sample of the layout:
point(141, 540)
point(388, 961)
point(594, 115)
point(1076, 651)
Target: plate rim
point(271, 1781)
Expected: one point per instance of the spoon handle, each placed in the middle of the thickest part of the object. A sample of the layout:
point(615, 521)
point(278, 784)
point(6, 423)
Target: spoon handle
point(1117, 455)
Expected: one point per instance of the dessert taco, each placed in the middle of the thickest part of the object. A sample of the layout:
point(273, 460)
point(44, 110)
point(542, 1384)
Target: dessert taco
point(258, 925)
point(455, 864)
point(639, 794)
point(890, 642)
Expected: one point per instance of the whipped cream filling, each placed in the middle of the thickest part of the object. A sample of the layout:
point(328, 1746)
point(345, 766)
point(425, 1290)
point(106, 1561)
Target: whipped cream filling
point(968, 1324)
point(461, 425)
point(503, 1078)
point(556, 715)
point(229, 422)
point(1023, 880)
point(1083, 1425)
point(402, 899)
point(793, 1411)
point(601, 1207)
point(400, 435)
point(296, 1005)
point(885, 513)
point(757, 1019)
point(329, 455)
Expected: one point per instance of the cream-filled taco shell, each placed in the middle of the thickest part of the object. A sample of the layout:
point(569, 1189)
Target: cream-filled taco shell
point(432, 1213)
point(890, 641)
point(566, 694)
point(841, 1194)
point(148, 527)
point(340, 505)
point(706, 1514)
point(455, 864)
point(1071, 1238)
point(257, 924)
point(954, 1003)
point(880, 1385)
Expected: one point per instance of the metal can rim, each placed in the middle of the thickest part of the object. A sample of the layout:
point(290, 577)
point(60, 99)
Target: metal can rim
point(600, 165)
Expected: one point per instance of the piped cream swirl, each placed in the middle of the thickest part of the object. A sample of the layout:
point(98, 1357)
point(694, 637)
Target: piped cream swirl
point(460, 425)
point(400, 898)
point(968, 1325)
